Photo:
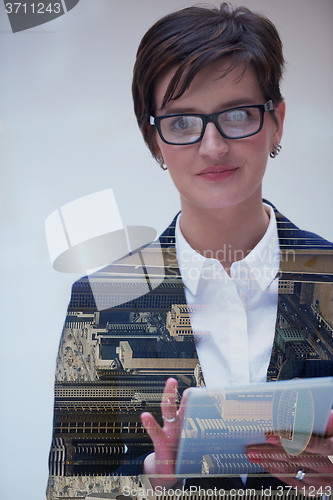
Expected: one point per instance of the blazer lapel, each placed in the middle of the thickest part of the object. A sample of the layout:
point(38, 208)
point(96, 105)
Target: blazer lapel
point(306, 262)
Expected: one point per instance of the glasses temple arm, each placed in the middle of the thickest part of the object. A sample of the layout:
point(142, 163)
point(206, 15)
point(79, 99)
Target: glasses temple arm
point(269, 106)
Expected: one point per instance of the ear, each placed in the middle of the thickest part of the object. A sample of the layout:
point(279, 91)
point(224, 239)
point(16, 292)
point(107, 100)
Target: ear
point(280, 111)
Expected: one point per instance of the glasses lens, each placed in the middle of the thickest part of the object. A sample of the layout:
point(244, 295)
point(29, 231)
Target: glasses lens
point(181, 129)
point(240, 122)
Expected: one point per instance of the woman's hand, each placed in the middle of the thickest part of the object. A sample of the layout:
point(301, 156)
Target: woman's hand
point(314, 461)
point(165, 439)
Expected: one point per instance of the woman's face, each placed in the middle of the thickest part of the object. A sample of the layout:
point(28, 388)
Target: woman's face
point(217, 172)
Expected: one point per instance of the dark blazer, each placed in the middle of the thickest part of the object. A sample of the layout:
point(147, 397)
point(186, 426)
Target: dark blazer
point(137, 292)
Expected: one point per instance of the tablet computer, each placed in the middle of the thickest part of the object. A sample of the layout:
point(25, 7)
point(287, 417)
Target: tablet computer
point(219, 425)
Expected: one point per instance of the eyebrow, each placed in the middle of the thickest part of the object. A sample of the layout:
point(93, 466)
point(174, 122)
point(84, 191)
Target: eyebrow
point(226, 105)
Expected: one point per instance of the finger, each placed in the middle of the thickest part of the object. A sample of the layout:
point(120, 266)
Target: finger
point(151, 426)
point(182, 406)
point(315, 464)
point(269, 454)
point(319, 476)
point(329, 428)
point(319, 470)
point(169, 399)
point(320, 445)
point(273, 440)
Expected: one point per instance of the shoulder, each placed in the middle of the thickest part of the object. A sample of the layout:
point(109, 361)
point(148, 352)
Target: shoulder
point(304, 256)
point(131, 277)
point(291, 236)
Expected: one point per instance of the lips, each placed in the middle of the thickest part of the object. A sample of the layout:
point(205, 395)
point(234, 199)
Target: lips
point(218, 172)
point(217, 169)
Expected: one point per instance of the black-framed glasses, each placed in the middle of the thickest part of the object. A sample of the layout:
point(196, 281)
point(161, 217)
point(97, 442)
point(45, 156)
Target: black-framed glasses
point(234, 123)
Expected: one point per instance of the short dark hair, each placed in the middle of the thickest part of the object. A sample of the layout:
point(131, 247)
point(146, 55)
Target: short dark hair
point(193, 37)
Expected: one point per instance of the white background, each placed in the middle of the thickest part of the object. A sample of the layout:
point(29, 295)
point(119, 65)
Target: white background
point(68, 130)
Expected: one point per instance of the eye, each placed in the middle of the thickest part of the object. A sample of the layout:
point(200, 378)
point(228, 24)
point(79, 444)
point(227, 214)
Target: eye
point(183, 123)
point(238, 115)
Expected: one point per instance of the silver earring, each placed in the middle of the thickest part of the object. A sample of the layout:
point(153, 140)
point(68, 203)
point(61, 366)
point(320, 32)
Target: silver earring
point(160, 161)
point(276, 150)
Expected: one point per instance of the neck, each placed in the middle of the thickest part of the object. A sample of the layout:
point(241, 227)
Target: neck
point(226, 234)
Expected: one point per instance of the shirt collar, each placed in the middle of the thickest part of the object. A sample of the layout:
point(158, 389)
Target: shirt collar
point(190, 262)
point(261, 264)
point(263, 261)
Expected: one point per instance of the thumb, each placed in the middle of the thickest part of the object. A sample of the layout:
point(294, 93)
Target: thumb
point(329, 428)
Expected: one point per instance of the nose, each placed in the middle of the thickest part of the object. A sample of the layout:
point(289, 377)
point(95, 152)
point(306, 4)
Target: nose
point(213, 144)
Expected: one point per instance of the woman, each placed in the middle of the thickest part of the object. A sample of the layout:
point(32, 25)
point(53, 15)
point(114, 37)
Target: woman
point(207, 100)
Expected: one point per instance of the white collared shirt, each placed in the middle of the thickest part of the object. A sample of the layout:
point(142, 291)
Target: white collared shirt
point(234, 322)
